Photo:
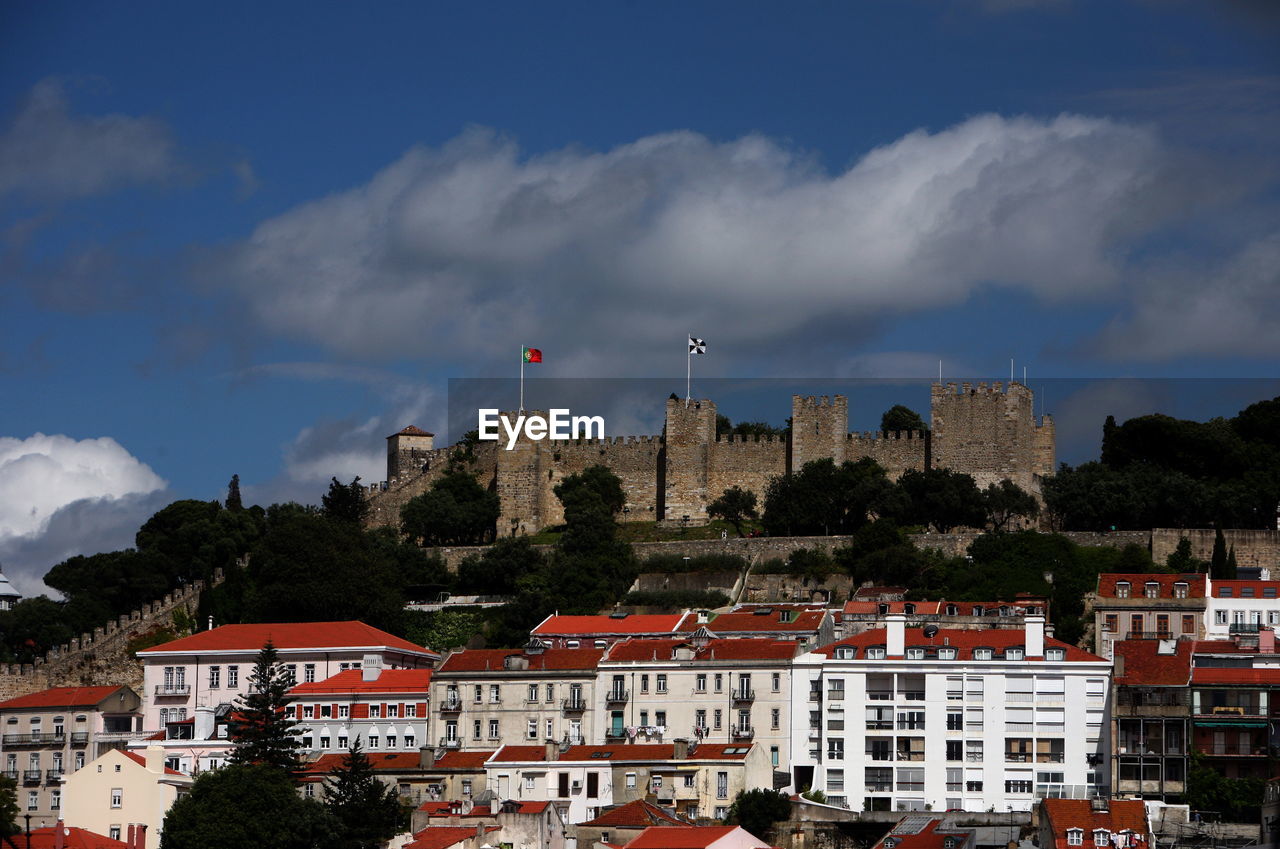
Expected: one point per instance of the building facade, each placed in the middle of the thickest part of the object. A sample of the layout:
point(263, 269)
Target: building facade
point(1148, 606)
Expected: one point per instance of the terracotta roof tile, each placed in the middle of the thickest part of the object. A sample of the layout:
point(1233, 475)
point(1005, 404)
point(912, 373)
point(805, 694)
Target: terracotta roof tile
point(74, 838)
point(490, 660)
point(1065, 814)
point(735, 648)
point(681, 836)
point(602, 625)
point(637, 814)
point(455, 759)
point(1220, 675)
point(1144, 666)
point(906, 835)
point(755, 622)
point(411, 430)
point(141, 761)
point(519, 753)
point(394, 761)
point(1137, 582)
point(289, 635)
point(61, 697)
point(965, 641)
point(444, 836)
point(352, 681)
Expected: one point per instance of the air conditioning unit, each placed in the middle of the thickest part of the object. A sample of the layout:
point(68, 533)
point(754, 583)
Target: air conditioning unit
point(577, 785)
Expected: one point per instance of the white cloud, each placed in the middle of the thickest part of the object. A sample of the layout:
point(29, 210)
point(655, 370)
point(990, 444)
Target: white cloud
point(48, 153)
point(460, 250)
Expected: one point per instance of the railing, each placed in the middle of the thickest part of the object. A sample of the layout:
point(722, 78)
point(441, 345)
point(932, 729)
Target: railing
point(743, 732)
point(1017, 757)
point(741, 696)
point(572, 705)
point(907, 755)
point(11, 774)
point(1049, 758)
point(450, 742)
point(79, 738)
point(32, 776)
point(616, 697)
point(173, 689)
point(35, 738)
point(451, 706)
point(1244, 628)
point(615, 734)
point(53, 775)
point(973, 757)
point(815, 695)
point(1243, 749)
point(879, 786)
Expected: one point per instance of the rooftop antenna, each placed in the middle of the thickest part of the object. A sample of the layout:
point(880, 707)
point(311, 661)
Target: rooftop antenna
point(939, 372)
point(1011, 369)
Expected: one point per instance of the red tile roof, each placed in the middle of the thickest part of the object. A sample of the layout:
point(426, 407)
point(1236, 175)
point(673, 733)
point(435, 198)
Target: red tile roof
point(445, 809)
point(637, 814)
point(624, 752)
point(352, 681)
point(141, 761)
point(739, 648)
point(1140, 664)
point(681, 836)
point(1236, 586)
point(603, 625)
point(964, 641)
point(411, 430)
point(454, 759)
point(1138, 581)
point(1065, 814)
point(74, 838)
point(939, 608)
point(907, 835)
point(493, 660)
point(61, 697)
point(289, 635)
point(396, 761)
point(1220, 675)
point(444, 836)
point(519, 753)
point(755, 622)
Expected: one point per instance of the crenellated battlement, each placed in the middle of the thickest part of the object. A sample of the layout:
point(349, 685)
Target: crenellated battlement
point(873, 435)
point(751, 438)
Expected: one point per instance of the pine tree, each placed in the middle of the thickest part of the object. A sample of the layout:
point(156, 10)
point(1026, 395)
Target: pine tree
point(369, 810)
point(1218, 562)
point(1231, 569)
point(234, 503)
point(260, 726)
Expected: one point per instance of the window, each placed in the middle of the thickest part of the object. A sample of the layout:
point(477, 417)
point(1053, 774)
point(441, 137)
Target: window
point(835, 748)
point(79, 760)
point(982, 654)
point(493, 729)
point(1268, 592)
point(718, 718)
point(291, 672)
point(373, 741)
point(835, 780)
point(531, 729)
point(689, 779)
point(309, 673)
point(775, 718)
point(309, 712)
point(1151, 589)
point(117, 797)
point(1101, 837)
point(1180, 589)
point(719, 682)
point(1188, 623)
point(309, 790)
point(114, 832)
point(479, 693)
point(1224, 592)
point(475, 729)
point(1055, 654)
point(528, 781)
point(660, 717)
point(1246, 592)
point(215, 677)
point(410, 711)
point(700, 719)
point(955, 720)
point(700, 682)
point(324, 742)
point(375, 711)
point(533, 693)
point(551, 729)
point(644, 683)
point(410, 741)
point(662, 683)
point(55, 799)
point(1019, 786)
point(631, 780)
point(1013, 653)
point(1220, 617)
point(947, 653)
point(722, 785)
point(1122, 589)
point(1111, 623)
point(777, 682)
point(955, 750)
point(33, 800)
point(915, 653)
point(911, 778)
point(1075, 836)
point(875, 653)
point(843, 653)
point(344, 711)
point(342, 742)
point(495, 695)
point(835, 689)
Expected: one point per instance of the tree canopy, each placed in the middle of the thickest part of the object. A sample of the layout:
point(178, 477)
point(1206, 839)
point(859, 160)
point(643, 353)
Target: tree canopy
point(457, 510)
point(368, 811)
point(901, 418)
point(259, 726)
point(735, 505)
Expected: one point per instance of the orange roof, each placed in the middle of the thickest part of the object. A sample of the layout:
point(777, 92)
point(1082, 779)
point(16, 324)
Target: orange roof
point(1121, 815)
point(352, 681)
point(443, 836)
point(939, 608)
point(74, 838)
point(756, 621)
point(454, 759)
point(1227, 675)
point(1237, 585)
point(603, 625)
point(910, 834)
point(62, 697)
point(1144, 666)
point(520, 753)
point(637, 814)
point(625, 752)
point(289, 635)
point(411, 430)
point(965, 641)
point(493, 660)
point(738, 648)
point(1138, 581)
point(397, 761)
point(680, 836)
point(141, 761)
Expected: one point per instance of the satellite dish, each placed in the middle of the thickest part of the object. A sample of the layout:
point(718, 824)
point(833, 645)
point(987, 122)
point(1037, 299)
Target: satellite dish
point(930, 631)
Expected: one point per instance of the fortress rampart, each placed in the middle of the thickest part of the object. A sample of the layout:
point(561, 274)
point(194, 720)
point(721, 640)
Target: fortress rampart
point(988, 431)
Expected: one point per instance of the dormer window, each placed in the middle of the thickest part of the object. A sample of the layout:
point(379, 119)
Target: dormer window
point(915, 653)
point(1101, 837)
point(1075, 836)
point(1180, 589)
point(1246, 592)
point(951, 610)
point(948, 843)
point(1151, 589)
point(947, 653)
point(875, 653)
point(908, 608)
point(982, 654)
point(1013, 653)
point(1122, 589)
point(1224, 592)
point(844, 653)
point(1055, 654)
point(882, 609)
point(978, 610)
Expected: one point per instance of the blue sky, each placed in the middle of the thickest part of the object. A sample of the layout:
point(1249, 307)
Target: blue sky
point(257, 238)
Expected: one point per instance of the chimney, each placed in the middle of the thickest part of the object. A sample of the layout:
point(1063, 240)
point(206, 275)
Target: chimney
point(1118, 669)
point(1267, 641)
point(132, 836)
point(553, 750)
point(59, 835)
point(155, 758)
point(681, 752)
point(426, 757)
point(141, 836)
point(371, 667)
point(895, 633)
point(203, 726)
point(1035, 635)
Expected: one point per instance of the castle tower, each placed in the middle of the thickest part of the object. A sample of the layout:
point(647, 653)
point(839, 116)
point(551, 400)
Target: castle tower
point(989, 432)
point(690, 432)
point(1046, 441)
point(407, 451)
point(520, 478)
point(819, 429)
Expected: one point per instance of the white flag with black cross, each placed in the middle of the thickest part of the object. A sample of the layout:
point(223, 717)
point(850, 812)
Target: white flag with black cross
point(696, 346)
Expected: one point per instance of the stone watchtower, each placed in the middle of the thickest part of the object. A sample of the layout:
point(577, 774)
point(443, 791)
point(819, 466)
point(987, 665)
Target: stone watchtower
point(819, 429)
point(991, 433)
point(408, 451)
point(690, 433)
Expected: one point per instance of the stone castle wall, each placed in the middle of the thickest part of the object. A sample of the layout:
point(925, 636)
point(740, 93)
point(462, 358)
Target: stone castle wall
point(986, 431)
point(1253, 547)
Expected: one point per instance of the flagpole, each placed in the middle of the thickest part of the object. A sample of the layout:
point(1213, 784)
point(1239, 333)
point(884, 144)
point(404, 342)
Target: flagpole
point(688, 375)
point(522, 378)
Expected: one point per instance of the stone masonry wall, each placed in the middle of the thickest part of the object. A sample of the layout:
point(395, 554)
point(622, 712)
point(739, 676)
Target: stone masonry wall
point(385, 503)
point(896, 452)
point(101, 658)
point(633, 459)
point(819, 429)
point(1253, 547)
point(985, 431)
point(690, 432)
point(747, 462)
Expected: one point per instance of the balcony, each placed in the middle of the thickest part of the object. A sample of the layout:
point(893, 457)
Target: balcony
point(451, 706)
point(743, 732)
point(11, 774)
point(1244, 628)
point(572, 705)
point(815, 695)
point(1245, 750)
point(53, 776)
point(32, 776)
point(743, 697)
point(35, 738)
point(909, 755)
point(1049, 758)
point(173, 689)
point(450, 742)
point(1017, 758)
point(616, 697)
point(615, 735)
point(79, 738)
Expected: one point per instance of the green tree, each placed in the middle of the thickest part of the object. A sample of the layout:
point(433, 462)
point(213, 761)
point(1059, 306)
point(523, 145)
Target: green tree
point(248, 806)
point(1181, 561)
point(736, 505)
point(500, 567)
point(942, 498)
point(1221, 798)
point(457, 510)
point(368, 811)
point(1006, 501)
point(442, 629)
point(901, 419)
point(1218, 560)
point(757, 810)
point(345, 502)
point(233, 501)
point(823, 498)
point(8, 810)
point(260, 728)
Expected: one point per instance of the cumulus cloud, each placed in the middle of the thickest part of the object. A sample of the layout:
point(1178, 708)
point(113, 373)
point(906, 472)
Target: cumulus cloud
point(459, 250)
point(91, 489)
point(49, 154)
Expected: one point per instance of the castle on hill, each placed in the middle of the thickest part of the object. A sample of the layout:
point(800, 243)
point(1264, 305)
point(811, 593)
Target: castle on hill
point(987, 431)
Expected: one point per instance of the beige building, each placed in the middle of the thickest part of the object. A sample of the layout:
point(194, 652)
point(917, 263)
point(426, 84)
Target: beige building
point(1142, 606)
point(121, 789)
point(702, 688)
point(54, 732)
point(484, 698)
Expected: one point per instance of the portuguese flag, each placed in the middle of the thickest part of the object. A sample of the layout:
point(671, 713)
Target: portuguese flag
point(532, 355)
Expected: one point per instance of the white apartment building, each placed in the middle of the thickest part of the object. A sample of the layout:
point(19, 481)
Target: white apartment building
point(1005, 716)
point(386, 709)
point(190, 684)
point(703, 688)
point(1240, 606)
